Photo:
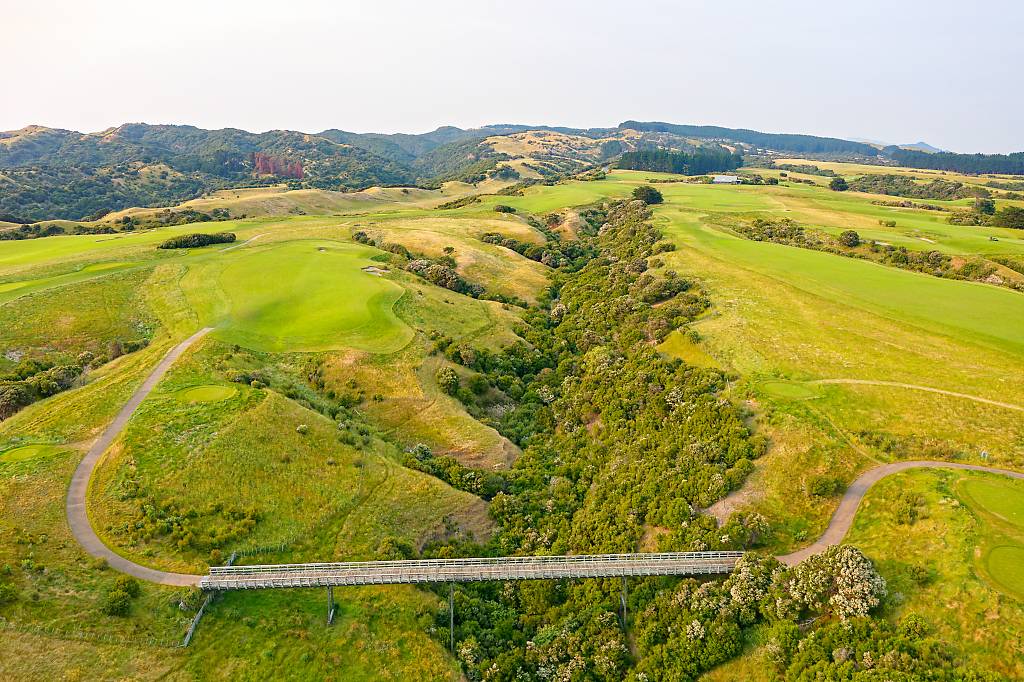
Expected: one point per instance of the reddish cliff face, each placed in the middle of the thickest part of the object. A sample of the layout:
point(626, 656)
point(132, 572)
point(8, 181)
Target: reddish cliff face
point(264, 164)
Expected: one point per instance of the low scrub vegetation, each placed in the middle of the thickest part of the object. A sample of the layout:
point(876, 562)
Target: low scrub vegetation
point(904, 186)
point(198, 239)
point(849, 243)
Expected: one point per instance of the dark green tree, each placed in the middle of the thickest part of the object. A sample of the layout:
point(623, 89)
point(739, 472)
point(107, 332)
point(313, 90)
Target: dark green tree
point(849, 238)
point(1009, 216)
point(648, 195)
point(838, 185)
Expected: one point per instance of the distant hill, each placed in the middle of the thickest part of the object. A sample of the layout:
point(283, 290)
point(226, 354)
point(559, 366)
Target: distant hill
point(922, 147)
point(783, 142)
point(48, 173)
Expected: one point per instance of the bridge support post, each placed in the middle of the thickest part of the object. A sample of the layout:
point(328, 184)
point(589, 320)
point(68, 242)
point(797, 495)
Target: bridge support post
point(451, 614)
point(622, 599)
point(330, 605)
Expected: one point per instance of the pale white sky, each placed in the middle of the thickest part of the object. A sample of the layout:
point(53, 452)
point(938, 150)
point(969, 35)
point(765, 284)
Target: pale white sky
point(947, 72)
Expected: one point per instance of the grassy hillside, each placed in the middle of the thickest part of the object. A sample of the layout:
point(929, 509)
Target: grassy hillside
point(289, 434)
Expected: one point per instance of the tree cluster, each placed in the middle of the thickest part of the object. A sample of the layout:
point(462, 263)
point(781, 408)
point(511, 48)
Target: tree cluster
point(903, 186)
point(1006, 164)
point(197, 240)
point(701, 160)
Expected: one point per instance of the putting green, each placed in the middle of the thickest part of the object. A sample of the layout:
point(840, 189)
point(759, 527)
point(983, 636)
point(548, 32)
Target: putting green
point(1002, 499)
point(303, 295)
point(24, 452)
point(209, 393)
point(1006, 566)
point(787, 390)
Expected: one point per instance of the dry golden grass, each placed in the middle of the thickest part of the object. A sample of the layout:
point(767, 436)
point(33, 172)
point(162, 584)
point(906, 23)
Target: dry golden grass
point(410, 403)
point(497, 268)
point(920, 173)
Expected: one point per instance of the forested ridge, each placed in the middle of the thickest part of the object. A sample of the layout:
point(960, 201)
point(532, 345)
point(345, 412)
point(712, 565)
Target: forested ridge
point(1010, 164)
point(778, 141)
point(700, 161)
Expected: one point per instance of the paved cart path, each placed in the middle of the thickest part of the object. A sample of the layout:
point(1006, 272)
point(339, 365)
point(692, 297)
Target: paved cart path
point(843, 517)
point(78, 516)
point(81, 527)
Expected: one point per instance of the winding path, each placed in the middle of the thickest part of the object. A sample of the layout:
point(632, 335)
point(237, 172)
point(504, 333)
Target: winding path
point(915, 387)
point(81, 527)
point(78, 516)
point(250, 240)
point(843, 517)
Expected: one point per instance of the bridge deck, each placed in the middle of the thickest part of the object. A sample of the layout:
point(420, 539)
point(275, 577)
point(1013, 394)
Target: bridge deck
point(467, 570)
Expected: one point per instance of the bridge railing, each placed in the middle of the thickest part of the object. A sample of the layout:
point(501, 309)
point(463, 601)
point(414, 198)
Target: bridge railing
point(470, 569)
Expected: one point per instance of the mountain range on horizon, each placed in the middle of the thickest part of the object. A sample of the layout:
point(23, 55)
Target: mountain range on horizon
point(52, 173)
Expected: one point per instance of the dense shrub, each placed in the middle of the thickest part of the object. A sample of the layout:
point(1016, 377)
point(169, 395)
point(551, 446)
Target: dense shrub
point(196, 240)
point(850, 238)
point(648, 195)
point(824, 486)
point(448, 380)
point(444, 276)
point(7, 593)
point(904, 186)
point(806, 169)
point(116, 603)
point(838, 185)
point(1009, 216)
point(459, 203)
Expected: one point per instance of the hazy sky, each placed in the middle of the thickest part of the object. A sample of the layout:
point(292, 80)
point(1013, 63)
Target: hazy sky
point(898, 71)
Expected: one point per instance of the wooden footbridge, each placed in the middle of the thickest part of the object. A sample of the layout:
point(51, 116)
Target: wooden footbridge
point(451, 571)
point(467, 570)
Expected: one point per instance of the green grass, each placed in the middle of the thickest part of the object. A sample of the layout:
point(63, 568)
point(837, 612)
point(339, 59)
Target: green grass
point(948, 541)
point(999, 497)
point(999, 503)
point(411, 405)
point(85, 316)
point(256, 450)
point(25, 452)
point(780, 317)
point(787, 390)
point(298, 295)
point(785, 315)
point(1006, 566)
point(678, 346)
point(17, 288)
point(209, 393)
point(978, 312)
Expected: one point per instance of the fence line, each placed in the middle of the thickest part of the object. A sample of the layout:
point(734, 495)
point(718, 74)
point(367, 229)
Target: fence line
point(202, 609)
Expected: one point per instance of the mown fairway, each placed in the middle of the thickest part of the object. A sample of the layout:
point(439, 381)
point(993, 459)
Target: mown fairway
point(298, 295)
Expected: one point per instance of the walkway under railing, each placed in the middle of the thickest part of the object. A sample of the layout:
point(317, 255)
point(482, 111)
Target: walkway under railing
point(467, 570)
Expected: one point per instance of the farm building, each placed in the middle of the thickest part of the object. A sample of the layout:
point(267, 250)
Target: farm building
point(726, 180)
